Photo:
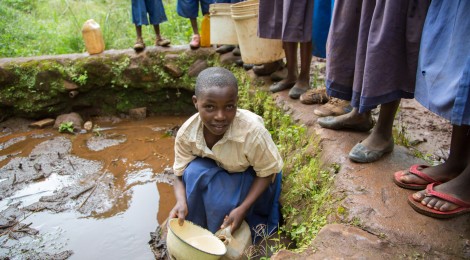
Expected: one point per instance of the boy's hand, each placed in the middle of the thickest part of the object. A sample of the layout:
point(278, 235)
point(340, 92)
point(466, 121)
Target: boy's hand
point(234, 219)
point(180, 210)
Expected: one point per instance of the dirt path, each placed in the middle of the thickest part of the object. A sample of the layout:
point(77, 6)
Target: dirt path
point(379, 223)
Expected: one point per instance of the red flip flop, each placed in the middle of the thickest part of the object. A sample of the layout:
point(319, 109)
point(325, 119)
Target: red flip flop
point(464, 207)
point(414, 169)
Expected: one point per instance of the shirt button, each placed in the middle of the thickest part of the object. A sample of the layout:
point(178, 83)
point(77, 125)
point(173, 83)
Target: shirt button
point(423, 72)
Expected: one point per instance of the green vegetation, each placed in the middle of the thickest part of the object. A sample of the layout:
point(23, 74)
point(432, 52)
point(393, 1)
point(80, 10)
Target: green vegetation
point(40, 27)
point(306, 197)
point(66, 127)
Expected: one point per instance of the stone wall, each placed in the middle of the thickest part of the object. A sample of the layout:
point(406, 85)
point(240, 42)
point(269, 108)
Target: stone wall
point(161, 79)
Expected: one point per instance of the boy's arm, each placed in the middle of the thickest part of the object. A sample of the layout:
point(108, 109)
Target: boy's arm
point(180, 210)
point(236, 216)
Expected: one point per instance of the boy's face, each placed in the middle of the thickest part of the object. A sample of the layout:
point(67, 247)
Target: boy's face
point(217, 107)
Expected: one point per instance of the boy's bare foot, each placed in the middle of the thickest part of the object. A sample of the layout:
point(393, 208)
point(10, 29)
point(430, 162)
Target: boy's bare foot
point(445, 200)
point(440, 173)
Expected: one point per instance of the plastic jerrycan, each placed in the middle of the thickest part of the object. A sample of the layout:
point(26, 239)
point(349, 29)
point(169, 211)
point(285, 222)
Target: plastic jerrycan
point(91, 32)
point(236, 243)
point(205, 31)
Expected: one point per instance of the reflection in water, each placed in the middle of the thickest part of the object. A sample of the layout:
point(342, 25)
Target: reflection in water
point(113, 218)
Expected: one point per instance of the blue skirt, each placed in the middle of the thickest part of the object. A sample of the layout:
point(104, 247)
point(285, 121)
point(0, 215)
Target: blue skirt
point(443, 78)
point(212, 192)
point(322, 12)
point(154, 9)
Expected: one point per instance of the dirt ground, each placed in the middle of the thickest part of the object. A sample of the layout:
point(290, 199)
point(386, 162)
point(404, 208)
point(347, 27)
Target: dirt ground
point(379, 223)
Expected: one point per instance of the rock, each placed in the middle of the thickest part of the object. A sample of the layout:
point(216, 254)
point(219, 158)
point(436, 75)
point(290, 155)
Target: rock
point(73, 117)
point(69, 85)
point(42, 123)
point(88, 125)
point(196, 68)
point(138, 113)
point(173, 70)
point(228, 58)
point(171, 57)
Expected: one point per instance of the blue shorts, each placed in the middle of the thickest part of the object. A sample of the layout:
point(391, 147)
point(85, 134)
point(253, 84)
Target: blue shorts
point(154, 8)
point(212, 192)
point(190, 8)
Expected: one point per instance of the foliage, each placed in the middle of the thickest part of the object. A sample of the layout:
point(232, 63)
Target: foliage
point(306, 194)
point(41, 27)
point(66, 127)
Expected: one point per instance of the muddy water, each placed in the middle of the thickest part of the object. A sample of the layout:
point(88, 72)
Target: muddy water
point(97, 194)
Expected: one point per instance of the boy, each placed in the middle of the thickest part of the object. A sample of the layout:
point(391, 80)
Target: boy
point(227, 166)
point(157, 15)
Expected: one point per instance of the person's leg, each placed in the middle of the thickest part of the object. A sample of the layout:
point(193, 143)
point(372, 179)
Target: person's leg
point(303, 81)
point(290, 48)
point(458, 161)
point(159, 40)
point(458, 186)
point(139, 43)
point(196, 38)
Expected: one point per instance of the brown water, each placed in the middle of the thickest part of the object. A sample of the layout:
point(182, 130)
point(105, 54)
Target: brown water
point(117, 172)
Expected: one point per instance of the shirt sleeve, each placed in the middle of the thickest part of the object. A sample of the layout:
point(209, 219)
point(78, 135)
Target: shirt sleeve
point(183, 155)
point(263, 154)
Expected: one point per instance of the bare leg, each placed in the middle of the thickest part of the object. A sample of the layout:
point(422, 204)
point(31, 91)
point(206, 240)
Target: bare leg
point(459, 159)
point(291, 56)
point(156, 27)
point(138, 30)
point(458, 186)
point(303, 81)
point(290, 48)
point(194, 25)
point(381, 134)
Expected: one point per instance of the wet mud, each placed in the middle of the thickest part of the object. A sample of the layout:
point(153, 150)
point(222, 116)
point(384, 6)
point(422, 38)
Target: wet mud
point(95, 194)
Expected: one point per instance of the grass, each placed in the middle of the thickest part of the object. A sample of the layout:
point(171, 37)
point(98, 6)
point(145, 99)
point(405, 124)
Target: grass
point(306, 199)
point(47, 27)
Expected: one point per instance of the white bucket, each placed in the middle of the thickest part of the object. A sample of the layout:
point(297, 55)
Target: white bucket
point(222, 25)
point(254, 50)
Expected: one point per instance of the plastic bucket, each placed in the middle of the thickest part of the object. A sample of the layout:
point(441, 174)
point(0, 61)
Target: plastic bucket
point(254, 50)
point(222, 25)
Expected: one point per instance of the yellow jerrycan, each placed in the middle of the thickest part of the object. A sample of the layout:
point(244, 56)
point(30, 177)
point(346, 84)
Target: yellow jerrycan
point(91, 32)
point(205, 31)
point(236, 243)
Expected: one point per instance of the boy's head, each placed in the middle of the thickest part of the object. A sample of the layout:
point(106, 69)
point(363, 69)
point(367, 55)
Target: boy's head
point(216, 97)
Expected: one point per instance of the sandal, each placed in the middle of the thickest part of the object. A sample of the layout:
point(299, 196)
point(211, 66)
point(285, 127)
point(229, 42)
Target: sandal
point(139, 45)
point(162, 42)
point(195, 41)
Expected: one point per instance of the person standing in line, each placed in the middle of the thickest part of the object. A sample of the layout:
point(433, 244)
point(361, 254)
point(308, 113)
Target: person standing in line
point(443, 86)
point(372, 56)
point(156, 14)
point(290, 21)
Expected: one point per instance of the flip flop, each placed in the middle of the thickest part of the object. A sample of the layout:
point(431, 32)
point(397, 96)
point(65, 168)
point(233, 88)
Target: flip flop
point(414, 169)
point(464, 207)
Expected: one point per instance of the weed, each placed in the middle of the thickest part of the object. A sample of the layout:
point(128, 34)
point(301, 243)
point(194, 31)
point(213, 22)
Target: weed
point(66, 127)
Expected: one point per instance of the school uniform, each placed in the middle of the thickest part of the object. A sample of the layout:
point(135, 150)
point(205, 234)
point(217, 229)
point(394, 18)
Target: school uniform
point(443, 74)
point(372, 50)
point(217, 180)
point(154, 9)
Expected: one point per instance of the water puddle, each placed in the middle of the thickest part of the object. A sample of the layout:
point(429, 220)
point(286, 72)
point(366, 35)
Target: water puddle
point(96, 195)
